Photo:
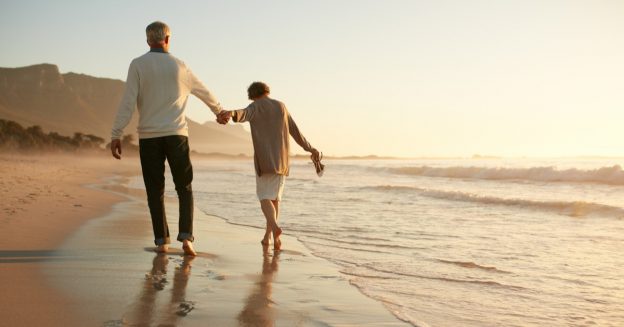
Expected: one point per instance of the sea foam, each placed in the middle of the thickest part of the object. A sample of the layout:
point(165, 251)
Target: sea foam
point(569, 208)
point(613, 175)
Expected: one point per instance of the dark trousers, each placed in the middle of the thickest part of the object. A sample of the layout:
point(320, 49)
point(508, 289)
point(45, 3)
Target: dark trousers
point(175, 150)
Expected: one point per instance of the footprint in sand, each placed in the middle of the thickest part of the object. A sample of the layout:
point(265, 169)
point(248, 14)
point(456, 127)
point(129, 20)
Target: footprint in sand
point(114, 323)
point(159, 280)
point(10, 211)
point(213, 275)
point(160, 285)
point(185, 308)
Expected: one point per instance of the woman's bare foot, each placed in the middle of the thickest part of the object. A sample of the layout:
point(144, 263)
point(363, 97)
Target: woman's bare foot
point(163, 248)
point(188, 248)
point(277, 243)
point(266, 239)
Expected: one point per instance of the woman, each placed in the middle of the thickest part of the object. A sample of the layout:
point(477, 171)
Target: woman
point(271, 125)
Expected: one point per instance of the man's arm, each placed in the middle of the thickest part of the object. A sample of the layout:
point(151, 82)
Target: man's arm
point(199, 90)
point(126, 109)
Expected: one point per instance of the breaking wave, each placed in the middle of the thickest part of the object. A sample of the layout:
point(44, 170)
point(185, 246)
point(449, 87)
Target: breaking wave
point(613, 175)
point(569, 208)
point(472, 265)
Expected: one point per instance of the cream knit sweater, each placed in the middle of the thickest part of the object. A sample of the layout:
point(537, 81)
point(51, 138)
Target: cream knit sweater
point(159, 84)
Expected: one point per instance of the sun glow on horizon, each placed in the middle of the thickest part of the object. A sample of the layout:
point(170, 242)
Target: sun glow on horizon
point(410, 79)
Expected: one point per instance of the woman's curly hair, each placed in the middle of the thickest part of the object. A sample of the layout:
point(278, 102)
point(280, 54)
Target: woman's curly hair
point(257, 89)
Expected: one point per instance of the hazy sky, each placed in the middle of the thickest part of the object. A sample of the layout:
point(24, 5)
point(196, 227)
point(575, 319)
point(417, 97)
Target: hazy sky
point(404, 78)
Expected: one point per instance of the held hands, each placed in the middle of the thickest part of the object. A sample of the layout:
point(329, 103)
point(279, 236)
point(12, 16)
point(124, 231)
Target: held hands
point(224, 116)
point(116, 148)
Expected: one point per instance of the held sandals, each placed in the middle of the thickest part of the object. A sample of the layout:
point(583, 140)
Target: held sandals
point(320, 168)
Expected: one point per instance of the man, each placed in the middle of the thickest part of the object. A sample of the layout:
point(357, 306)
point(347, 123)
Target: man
point(159, 84)
point(271, 125)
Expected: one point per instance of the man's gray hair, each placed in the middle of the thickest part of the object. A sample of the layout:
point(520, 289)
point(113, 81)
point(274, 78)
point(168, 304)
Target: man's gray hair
point(156, 32)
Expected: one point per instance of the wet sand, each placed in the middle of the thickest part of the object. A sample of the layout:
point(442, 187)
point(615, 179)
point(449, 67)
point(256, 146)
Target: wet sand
point(105, 274)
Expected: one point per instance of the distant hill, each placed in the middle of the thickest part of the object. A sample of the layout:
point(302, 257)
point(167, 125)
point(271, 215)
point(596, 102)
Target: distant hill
point(69, 103)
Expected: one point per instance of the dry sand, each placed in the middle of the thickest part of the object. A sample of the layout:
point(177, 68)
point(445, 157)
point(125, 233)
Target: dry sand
point(43, 201)
point(81, 256)
point(44, 198)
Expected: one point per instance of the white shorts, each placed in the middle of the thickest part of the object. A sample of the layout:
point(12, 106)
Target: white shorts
point(270, 186)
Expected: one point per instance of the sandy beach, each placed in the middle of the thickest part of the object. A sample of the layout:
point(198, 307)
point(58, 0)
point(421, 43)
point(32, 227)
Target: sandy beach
point(44, 200)
point(78, 253)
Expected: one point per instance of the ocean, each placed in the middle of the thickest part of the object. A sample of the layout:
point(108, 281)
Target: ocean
point(453, 242)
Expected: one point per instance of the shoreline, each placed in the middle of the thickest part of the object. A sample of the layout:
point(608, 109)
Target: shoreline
point(102, 258)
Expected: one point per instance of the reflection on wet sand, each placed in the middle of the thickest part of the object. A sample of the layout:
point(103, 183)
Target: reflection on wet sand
point(258, 310)
point(144, 311)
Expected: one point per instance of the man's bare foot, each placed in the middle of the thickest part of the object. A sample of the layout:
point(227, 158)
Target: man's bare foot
point(163, 248)
point(188, 248)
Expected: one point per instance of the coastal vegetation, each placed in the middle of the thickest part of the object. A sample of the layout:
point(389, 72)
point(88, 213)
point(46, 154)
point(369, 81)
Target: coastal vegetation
point(16, 137)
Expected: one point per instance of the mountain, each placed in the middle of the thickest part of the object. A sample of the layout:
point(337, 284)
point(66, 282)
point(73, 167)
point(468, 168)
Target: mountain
point(69, 103)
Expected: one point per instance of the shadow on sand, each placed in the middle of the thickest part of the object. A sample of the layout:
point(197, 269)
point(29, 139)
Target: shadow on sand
point(28, 256)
